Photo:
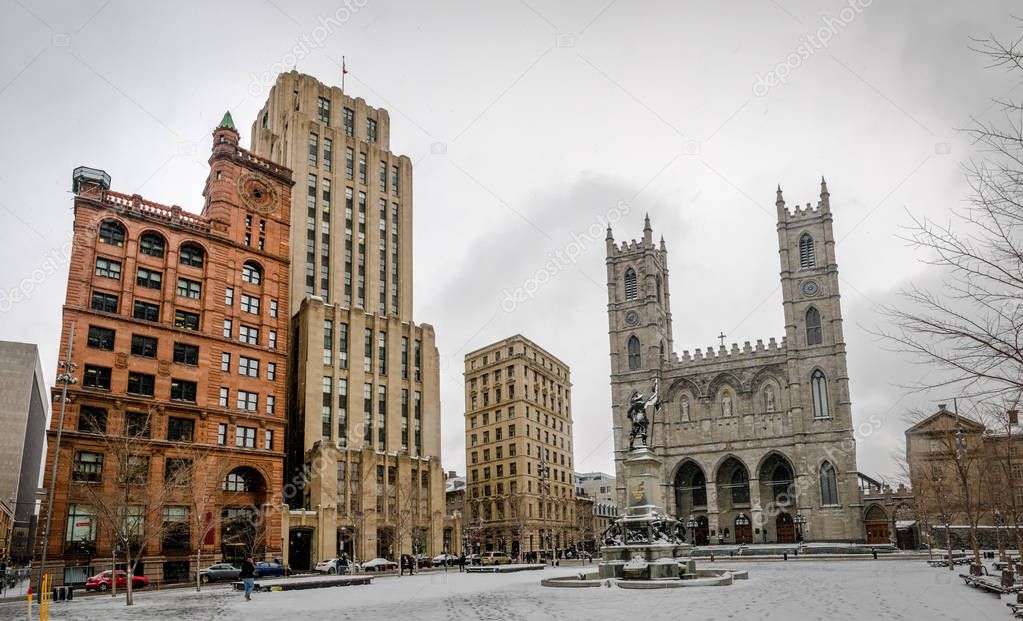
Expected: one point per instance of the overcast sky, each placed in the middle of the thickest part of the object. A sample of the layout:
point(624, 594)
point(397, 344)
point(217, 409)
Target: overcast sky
point(529, 122)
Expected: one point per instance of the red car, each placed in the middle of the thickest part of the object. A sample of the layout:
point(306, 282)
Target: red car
point(101, 582)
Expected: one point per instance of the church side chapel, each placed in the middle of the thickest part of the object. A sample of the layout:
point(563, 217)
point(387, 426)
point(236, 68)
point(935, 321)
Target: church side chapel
point(757, 440)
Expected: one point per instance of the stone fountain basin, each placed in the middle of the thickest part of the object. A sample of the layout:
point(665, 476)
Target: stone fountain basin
point(710, 576)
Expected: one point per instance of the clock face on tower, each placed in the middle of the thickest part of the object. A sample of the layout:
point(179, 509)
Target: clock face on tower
point(257, 193)
point(631, 318)
point(811, 288)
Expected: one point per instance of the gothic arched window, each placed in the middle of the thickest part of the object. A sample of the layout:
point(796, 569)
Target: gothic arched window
point(819, 394)
point(807, 257)
point(740, 486)
point(658, 281)
point(631, 291)
point(634, 359)
point(813, 327)
point(662, 350)
point(829, 485)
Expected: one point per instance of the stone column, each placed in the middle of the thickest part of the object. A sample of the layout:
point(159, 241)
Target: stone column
point(756, 511)
point(712, 509)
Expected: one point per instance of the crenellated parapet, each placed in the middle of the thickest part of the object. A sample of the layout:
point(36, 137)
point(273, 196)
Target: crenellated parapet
point(732, 355)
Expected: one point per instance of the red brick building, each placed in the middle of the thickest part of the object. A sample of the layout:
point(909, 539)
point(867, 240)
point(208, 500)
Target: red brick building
point(180, 341)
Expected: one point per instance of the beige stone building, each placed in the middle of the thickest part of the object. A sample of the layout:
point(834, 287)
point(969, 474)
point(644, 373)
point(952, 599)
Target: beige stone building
point(600, 488)
point(751, 436)
point(518, 449)
point(942, 448)
point(454, 492)
point(364, 476)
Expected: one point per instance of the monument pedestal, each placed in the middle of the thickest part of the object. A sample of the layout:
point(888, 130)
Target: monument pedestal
point(645, 543)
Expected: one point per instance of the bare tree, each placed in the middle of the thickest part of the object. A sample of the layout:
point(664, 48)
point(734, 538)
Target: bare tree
point(518, 515)
point(971, 327)
point(131, 509)
point(205, 492)
point(247, 528)
point(933, 487)
point(472, 523)
point(404, 511)
point(1005, 468)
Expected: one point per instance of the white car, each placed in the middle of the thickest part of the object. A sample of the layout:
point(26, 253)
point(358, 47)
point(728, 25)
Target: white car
point(329, 566)
point(379, 564)
point(440, 559)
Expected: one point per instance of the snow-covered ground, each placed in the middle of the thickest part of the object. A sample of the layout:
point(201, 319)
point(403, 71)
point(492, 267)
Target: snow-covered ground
point(836, 591)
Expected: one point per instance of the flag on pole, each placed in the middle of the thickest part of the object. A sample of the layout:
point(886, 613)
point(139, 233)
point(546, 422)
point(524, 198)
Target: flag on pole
point(344, 71)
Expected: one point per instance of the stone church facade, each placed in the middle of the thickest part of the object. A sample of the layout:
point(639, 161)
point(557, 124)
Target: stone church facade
point(757, 441)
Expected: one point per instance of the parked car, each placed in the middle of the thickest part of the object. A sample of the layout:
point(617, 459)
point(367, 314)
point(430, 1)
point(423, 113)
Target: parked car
point(101, 581)
point(495, 558)
point(423, 561)
point(379, 564)
point(440, 559)
point(268, 569)
point(329, 566)
point(220, 571)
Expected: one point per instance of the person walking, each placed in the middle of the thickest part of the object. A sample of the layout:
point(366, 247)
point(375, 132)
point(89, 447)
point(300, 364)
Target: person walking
point(248, 576)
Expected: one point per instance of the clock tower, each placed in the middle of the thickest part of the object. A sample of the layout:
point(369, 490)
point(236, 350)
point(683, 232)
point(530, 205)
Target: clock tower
point(812, 309)
point(639, 320)
point(248, 198)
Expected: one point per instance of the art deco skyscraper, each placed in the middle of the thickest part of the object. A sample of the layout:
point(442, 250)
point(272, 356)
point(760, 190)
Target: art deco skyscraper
point(364, 436)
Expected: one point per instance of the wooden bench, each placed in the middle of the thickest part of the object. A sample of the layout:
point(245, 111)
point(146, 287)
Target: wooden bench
point(989, 584)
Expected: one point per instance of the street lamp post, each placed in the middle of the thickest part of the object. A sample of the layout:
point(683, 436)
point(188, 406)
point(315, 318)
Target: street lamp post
point(64, 379)
point(691, 525)
point(997, 519)
point(800, 521)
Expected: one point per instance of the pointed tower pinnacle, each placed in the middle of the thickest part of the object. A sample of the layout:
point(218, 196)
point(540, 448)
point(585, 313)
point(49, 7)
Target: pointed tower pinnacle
point(825, 204)
point(227, 122)
point(664, 248)
point(647, 231)
point(610, 235)
point(779, 202)
point(226, 134)
point(824, 187)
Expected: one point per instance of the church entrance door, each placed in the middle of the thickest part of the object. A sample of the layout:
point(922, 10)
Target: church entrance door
point(785, 528)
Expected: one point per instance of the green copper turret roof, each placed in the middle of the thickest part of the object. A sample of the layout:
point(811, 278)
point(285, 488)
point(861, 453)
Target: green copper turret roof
point(227, 122)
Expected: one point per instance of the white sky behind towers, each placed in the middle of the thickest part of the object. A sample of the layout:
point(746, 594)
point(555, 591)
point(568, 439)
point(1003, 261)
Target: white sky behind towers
point(529, 121)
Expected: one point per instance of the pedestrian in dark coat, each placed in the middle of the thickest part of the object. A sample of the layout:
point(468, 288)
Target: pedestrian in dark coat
point(248, 576)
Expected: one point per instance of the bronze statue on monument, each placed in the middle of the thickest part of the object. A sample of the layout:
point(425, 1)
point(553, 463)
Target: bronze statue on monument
point(637, 415)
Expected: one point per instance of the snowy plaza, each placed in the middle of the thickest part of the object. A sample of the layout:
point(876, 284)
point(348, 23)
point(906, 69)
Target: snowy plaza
point(833, 590)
